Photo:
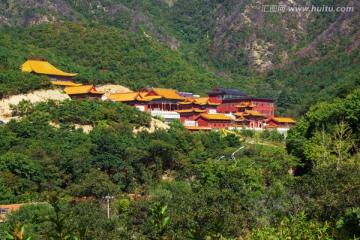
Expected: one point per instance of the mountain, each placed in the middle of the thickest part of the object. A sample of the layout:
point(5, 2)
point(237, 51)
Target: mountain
point(297, 57)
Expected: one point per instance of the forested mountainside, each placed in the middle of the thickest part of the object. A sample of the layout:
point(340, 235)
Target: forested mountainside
point(297, 58)
point(191, 180)
point(103, 54)
point(172, 184)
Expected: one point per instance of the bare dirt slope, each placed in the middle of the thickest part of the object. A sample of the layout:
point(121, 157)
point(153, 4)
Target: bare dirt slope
point(110, 88)
point(153, 126)
point(36, 96)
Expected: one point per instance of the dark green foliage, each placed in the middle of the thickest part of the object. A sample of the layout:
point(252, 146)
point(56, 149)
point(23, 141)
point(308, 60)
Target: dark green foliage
point(91, 112)
point(32, 216)
point(126, 58)
point(325, 119)
point(205, 196)
point(208, 194)
point(127, 42)
point(15, 82)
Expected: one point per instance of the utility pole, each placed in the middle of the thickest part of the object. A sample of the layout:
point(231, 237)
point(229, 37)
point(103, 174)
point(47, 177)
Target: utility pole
point(108, 197)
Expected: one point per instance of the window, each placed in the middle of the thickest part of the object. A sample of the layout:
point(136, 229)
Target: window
point(225, 105)
point(219, 97)
point(233, 104)
point(262, 104)
point(262, 111)
point(257, 103)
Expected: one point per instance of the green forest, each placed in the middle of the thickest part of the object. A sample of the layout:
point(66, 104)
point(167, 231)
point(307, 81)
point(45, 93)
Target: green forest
point(173, 184)
point(117, 182)
point(102, 54)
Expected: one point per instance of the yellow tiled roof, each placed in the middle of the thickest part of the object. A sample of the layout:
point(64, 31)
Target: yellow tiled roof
point(131, 96)
point(149, 98)
point(43, 67)
point(203, 100)
point(168, 93)
point(240, 114)
point(123, 97)
point(82, 90)
point(254, 113)
point(190, 110)
point(244, 105)
point(199, 101)
point(284, 120)
point(94, 91)
point(67, 84)
point(240, 119)
point(215, 117)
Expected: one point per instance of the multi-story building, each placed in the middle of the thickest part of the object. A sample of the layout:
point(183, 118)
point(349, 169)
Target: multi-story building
point(229, 99)
point(83, 92)
point(224, 108)
point(157, 101)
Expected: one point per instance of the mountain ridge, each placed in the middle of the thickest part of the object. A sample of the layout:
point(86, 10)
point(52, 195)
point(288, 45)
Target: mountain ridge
point(237, 43)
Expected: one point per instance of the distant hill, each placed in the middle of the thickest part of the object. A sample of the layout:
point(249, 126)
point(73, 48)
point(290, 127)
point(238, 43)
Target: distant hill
point(103, 54)
point(298, 58)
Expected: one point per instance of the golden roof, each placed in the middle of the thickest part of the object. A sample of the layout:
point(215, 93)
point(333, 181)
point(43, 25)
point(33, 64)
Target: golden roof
point(66, 84)
point(215, 117)
point(168, 93)
point(239, 114)
point(199, 101)
point(190, 111)
point(240, 119)
point(82, 90)
point(132, 96)
point(284, 120)
point(149, 98)
point(43, 67)
point(254, 113)
point(123, 97)
point(245, 105)
point(242, 105)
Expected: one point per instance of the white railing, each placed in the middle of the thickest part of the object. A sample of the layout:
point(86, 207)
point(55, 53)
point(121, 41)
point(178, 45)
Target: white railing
point(167, 115)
